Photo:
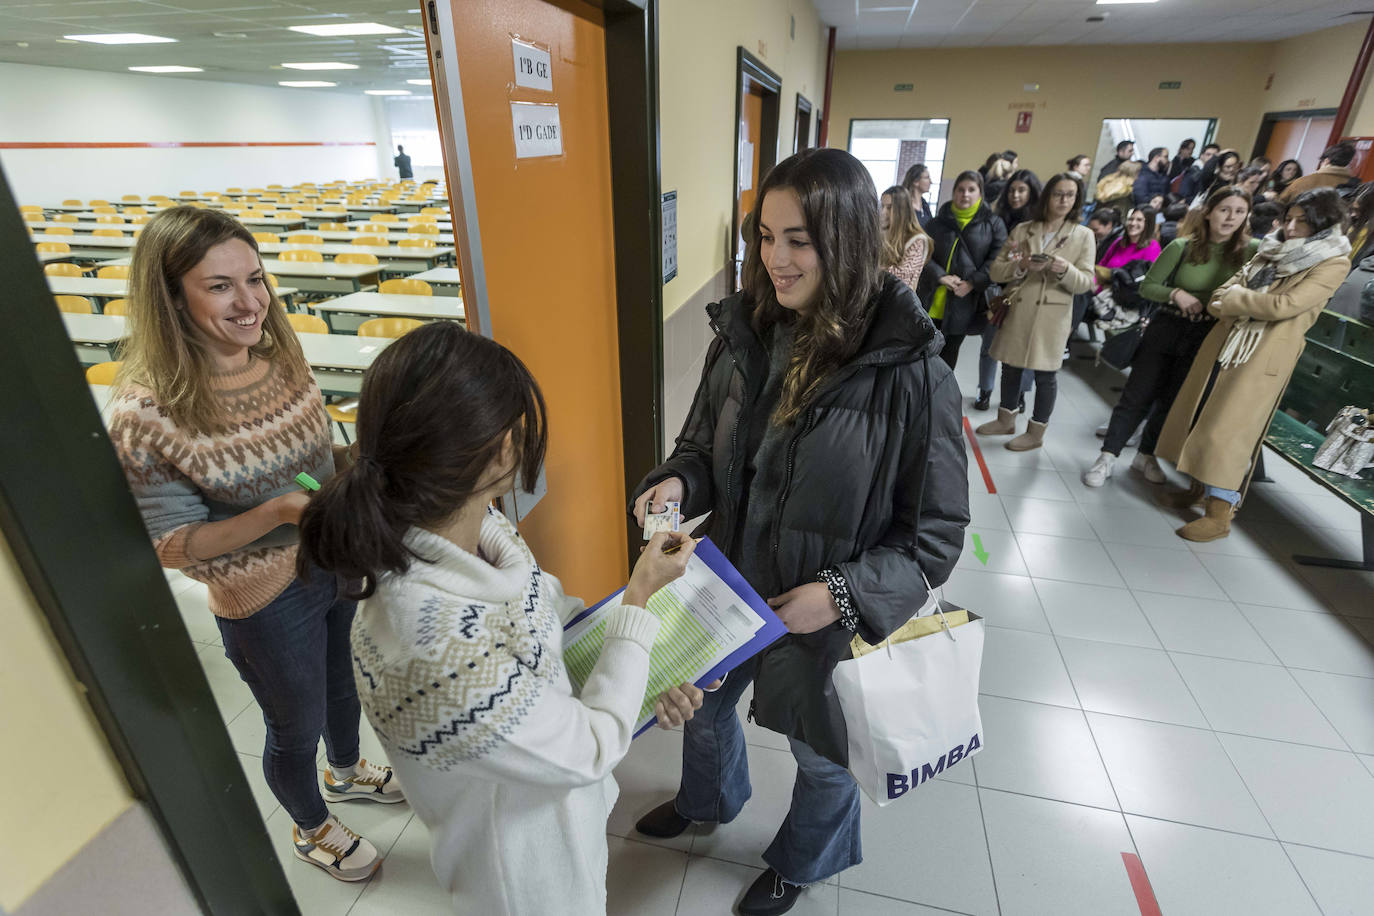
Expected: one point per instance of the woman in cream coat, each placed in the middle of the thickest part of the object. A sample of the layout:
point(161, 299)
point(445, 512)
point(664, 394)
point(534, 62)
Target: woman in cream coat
point(1221, 415)
point(1045, 263)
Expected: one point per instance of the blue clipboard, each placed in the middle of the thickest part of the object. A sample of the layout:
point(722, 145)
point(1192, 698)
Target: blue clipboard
point(772, 629)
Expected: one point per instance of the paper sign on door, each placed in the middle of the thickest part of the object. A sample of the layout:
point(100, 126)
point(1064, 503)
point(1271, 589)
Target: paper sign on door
point(533, 66)
point(537, 130)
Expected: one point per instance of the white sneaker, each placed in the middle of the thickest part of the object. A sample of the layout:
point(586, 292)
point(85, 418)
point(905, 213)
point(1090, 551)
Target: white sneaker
point(1149, 466)
point(1097, 475)
point(337, 850)
point(369, 781)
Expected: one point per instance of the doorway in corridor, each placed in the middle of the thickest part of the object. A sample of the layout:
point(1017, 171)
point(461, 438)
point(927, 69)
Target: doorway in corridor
point(1300, 135)
point(888, 147)
point(757, 108)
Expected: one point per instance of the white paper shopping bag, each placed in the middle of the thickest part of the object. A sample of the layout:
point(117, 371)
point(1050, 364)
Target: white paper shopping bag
point(911, 704)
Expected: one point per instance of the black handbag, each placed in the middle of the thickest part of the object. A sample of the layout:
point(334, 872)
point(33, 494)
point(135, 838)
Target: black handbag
point(1119, 350)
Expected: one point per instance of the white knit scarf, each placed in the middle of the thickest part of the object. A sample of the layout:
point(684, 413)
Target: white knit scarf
point(1276, 258)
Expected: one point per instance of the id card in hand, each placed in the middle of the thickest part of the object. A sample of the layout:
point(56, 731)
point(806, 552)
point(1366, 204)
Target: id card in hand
point(670, 519)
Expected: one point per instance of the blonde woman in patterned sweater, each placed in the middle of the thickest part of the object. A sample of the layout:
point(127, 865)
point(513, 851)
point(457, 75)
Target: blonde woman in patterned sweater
point(458, 645)
point(215, 415)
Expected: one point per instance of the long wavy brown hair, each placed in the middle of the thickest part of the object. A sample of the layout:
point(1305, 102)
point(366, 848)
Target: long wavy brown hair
point(840, 205)
point(903, 227)
point(1198, 230)
point(160, 352)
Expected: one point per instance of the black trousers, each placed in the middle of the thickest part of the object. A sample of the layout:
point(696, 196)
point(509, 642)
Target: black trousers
point(1158, 371)
point(1046, 390)
point(950, 353)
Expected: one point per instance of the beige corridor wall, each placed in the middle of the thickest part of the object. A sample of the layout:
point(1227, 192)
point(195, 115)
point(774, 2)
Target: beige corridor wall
point(697, 53)
point(981, 90)
point(73, 787)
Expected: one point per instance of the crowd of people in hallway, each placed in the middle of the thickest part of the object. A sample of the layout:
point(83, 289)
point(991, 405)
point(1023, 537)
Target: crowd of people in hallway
point(824, 443)
point(1213, 270)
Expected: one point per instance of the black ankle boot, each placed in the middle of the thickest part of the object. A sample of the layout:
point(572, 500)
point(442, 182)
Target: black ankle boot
point(984, 401)
point(663, 822)
point(769, 895)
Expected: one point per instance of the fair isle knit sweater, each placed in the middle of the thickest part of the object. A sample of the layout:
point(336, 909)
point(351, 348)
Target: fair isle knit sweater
point(460, 671)
point(181, 480)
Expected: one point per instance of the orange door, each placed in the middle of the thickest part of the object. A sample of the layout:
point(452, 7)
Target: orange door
point(548, 256)
point(1285, 142)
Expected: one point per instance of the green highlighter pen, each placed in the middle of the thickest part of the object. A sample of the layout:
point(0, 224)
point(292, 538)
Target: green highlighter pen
point(308, 483)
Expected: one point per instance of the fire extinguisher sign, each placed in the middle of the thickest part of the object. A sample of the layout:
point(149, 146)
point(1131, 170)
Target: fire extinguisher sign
point(1023, 122)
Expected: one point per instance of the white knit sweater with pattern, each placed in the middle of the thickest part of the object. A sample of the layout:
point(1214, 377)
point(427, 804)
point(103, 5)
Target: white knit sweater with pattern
point(460, 671)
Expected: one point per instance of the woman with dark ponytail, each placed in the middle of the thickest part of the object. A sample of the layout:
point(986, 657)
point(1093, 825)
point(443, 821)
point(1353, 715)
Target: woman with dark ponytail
point(457, 649)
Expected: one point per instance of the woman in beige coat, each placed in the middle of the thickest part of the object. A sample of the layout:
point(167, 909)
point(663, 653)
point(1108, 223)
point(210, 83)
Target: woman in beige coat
point(1219, 419)
point(1045, 263)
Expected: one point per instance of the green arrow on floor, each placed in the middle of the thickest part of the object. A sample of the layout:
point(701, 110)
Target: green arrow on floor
point(978, 550)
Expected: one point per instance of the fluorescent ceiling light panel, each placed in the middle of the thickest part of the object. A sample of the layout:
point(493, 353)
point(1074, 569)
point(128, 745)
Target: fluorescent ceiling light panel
point(321, 65)
point(347, 28)
point(386, 91)
point(305, 84)
point(418, 82)
point(171, 68)
point(120, 38)
point(939, 120)
point(1118, 2)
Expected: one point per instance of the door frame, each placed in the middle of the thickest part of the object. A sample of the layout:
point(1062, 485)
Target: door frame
point(747, 66)
point(804, 107)
point(632, 67)
point(1270, 118)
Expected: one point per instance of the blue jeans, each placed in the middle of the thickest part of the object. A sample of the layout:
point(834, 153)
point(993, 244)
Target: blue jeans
point(1231, 496)
point(294, 656)
point(820, 835)
point(987, 366)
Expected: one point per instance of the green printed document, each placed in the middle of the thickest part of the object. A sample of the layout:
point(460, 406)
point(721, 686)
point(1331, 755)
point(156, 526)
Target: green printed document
point(711, 621)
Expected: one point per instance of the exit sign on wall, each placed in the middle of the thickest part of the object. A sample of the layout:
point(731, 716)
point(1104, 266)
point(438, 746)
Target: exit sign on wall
point(1175, 84)
point(904, 87)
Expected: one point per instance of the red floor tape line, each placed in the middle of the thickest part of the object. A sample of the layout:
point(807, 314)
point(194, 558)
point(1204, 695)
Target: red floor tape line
point(1144, 894)
point(978, 453)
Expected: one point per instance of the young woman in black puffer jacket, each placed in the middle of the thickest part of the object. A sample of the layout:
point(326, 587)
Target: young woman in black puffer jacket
point(824, 440)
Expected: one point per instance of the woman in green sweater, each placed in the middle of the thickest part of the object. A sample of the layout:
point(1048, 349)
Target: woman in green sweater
point(1207, 252)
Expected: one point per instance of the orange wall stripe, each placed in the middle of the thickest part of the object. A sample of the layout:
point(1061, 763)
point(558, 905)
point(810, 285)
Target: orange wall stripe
point(173, 144)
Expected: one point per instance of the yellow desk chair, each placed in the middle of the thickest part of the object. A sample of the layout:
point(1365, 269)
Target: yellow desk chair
point(77, 305)
point(386, 218)
point(64, 270)
point(371, 241)
point(305, 238)
point(66, 218)
point(423, 229)
point(103, 373)
point(307, 324)
point(113, 272)
point(356, 257)
point(406, 286)
point(71, 202)
point(388, 327)
point(104, 214)
point(108, 233)
point(131, 198)
point(266, 237)
point(333, 227)
point(59, 230)
point(301, 256)
point(417, 243)
point(135, 211)
point(100, 203)
point(54, 247)
point(118, 307)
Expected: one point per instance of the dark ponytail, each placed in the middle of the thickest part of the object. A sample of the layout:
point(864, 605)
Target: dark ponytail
point(435, 410)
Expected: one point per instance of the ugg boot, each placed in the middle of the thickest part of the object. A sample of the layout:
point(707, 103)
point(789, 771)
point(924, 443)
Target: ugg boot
point(1033, 437)
point(1213, 526)
point(1175, 498)
point(1004, 425)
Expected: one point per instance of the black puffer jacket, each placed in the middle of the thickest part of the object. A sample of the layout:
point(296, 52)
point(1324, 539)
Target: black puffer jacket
point(849, 497)
point(983, 238)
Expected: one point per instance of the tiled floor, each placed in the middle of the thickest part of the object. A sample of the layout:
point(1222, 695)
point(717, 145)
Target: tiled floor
point(1208, 708)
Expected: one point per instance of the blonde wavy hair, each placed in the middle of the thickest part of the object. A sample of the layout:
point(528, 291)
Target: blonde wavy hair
point(160, 351)
point(902, 228)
